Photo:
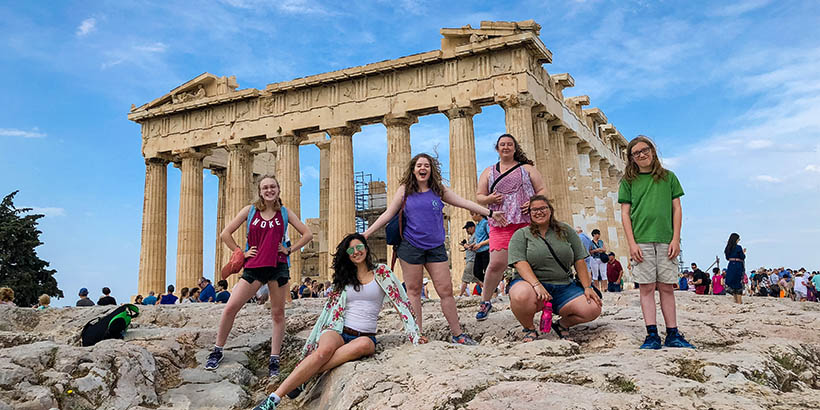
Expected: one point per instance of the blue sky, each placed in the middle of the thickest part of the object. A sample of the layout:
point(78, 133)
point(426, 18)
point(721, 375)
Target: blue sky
point(729, 90)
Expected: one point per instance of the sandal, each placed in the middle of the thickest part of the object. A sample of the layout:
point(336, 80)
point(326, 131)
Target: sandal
point(559, 330)
point(529, 335)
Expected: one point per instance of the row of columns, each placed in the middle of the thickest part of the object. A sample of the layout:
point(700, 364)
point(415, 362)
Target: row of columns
point(580, 182)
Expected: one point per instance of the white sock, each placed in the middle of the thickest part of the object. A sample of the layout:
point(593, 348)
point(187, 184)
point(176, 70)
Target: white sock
point(276, 399)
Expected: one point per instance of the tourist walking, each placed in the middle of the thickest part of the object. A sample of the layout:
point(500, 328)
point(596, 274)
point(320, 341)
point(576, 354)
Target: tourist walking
point(469, 258)
point(346, 328)
point(542, 254)
point(506, 187)
point(422, 196)
point(736, 256)
point(597, 266)
point(651, 214)
point(266, 263)
point(614, 274)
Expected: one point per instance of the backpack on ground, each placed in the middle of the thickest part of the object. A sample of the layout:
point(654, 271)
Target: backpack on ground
point(111, 326)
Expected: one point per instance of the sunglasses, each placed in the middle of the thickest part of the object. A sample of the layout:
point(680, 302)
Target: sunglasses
point(353, 249)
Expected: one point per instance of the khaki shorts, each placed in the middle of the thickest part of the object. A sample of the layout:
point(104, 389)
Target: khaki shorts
point(467, 276)
point(656, 266)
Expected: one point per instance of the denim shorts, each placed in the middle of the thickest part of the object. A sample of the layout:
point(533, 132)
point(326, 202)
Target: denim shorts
point(349, 338)
point(561, 294)
point(418, 256)
point(280, 273)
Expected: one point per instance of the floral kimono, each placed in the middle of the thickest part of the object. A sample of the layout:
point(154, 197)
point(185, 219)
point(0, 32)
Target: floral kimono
point(333, 315)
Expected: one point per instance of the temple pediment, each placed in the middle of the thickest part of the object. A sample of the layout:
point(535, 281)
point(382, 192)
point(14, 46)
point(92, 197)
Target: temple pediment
point(199, 88)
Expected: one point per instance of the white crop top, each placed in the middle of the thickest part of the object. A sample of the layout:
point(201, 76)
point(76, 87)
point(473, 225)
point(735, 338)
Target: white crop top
point(363, 307)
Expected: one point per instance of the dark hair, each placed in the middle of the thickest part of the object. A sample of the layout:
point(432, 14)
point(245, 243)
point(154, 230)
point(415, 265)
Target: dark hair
point(170, 288)
point(596, 231)
point(411, 186)
point(715, 270)
point(552, 224)
point(344, 271)
point(184, 292)
point(632, 170)
point(223, 284)
point(730, 245)
point(519, 154)
point(106, 290)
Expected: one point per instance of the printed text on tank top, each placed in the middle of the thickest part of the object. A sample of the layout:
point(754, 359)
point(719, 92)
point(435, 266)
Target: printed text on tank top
point(266, 235)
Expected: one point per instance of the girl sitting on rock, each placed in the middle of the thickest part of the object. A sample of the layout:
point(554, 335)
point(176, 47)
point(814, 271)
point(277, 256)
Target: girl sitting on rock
point(346, 328)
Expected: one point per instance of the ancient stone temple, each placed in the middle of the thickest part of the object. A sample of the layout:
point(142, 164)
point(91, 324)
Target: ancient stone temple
point(238, 133)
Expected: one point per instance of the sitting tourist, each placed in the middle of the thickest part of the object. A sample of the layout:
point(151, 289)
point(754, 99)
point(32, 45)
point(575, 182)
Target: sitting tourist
point(7, 297)
point(44, 302)
point(542, 253)
point(346, 329)
point(168, 298)
point(222, 294)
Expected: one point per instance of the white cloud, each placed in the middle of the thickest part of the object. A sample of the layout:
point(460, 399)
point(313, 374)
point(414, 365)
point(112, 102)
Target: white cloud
point(11, 132)
point(50, 212)
point(141, 53)
point(812, 168)
point(87, 26)
point(738, 8)
point(767, 178)
point(308, 172)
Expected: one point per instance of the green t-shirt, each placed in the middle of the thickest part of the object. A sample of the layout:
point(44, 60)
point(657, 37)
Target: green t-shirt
point(651, 211)
point(524, 246)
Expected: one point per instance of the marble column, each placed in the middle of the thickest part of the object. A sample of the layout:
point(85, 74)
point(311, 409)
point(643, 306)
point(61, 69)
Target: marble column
point(622, 252)
point(290, 185)
point(518, 119)
point(238, 193)
point(608, 205)
point(154, 227)
point(189, 230)
point(341, 206)
point(398, 156)
point(324, 192)
point(576, 195)
point(462, 180)
point(557, 173)
point(587, 201)
point(219, 249)
point(596, 209)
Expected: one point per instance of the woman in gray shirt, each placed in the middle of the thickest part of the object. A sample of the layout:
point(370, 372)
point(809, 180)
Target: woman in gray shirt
point(540, 277)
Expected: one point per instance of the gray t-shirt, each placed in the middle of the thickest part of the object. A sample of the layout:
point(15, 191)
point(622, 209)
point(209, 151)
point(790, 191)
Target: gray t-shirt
point(524, 246)
point(469, 256)
point(85, 302)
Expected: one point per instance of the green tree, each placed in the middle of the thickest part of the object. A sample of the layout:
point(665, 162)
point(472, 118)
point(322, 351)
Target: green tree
point(20, 267)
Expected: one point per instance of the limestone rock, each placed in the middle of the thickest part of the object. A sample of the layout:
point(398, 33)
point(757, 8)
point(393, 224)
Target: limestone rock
point(759, 355)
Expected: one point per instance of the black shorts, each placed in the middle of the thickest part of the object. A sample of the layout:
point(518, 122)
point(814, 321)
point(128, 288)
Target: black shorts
point(280, 273)
point(417, 256)
point(482, 260)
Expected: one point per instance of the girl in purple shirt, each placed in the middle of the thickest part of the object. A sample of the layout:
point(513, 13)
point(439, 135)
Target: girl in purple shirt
point(422, 245)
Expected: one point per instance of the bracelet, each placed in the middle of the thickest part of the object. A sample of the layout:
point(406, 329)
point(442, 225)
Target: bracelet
point(491, 214)
point(536, 285)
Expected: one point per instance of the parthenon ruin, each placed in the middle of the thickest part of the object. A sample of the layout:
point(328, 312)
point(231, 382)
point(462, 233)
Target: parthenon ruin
point(209, 123)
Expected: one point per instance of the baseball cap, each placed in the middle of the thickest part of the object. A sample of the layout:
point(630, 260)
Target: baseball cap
point(83, 292)
point(469, 224)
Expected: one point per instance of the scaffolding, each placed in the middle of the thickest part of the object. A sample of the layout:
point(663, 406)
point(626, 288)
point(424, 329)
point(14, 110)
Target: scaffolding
point(370, 199)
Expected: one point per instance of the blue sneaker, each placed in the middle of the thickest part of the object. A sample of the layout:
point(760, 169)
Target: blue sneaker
point(464, 339)
point(267, 404)
point(677, 340)
point(483, 311)
point(652, 341)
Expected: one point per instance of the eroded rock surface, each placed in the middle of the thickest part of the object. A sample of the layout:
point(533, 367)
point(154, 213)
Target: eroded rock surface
point(761, 355)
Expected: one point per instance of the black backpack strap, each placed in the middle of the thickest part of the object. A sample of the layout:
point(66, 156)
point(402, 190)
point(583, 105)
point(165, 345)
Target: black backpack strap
point(507, 172)
point(554, 256)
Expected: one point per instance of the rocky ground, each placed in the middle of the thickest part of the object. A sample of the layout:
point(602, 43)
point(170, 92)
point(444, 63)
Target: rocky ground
point(764, 354)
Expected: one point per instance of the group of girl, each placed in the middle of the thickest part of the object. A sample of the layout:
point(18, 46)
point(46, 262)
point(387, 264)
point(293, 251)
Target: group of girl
point(523, 233)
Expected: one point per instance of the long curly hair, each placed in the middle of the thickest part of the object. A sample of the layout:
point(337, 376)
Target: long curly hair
point(519, 154)
point(411, 186)
point(259, 202)
point(631, 173)
point(552, 225)
point(344, 271)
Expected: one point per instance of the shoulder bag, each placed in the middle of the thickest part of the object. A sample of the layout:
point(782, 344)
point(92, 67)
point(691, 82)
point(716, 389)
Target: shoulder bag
point(564, 267)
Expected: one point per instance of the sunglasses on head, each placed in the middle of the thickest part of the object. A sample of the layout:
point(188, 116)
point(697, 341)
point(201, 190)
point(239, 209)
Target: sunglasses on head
point(353, 249)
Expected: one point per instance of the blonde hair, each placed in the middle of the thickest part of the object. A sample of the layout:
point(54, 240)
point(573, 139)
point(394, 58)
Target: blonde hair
point(657, 170)
point(6, 295)
point(259, 203)
point(44, 300)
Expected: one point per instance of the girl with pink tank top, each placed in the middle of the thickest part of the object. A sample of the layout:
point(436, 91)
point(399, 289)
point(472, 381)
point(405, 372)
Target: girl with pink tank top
point(266, 264)
point(506, 187)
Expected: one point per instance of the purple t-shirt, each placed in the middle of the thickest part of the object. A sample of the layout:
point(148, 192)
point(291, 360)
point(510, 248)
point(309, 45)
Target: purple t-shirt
point(425, 220)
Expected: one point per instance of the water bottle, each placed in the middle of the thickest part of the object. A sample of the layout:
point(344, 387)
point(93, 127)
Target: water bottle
point(546, 317)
